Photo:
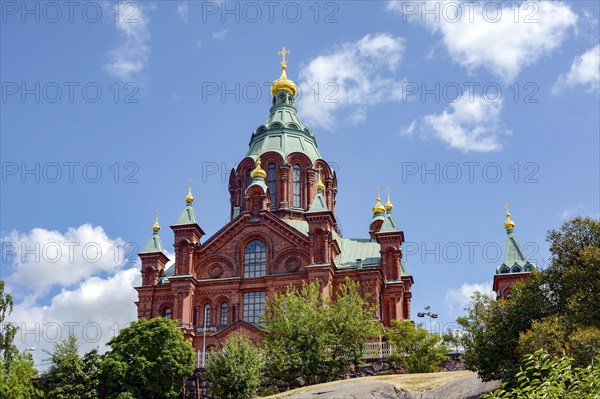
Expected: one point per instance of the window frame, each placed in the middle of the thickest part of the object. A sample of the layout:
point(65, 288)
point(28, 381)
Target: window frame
point(253, 306)
point(296, 186)
point(255, 263)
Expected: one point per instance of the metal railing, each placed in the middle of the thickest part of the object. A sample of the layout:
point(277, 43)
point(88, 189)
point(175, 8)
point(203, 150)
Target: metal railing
point(371, 350)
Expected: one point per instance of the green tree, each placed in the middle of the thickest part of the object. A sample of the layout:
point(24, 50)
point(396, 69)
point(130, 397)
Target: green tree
point(148, 360)
point(71, 376)
point(542, 312)
point(311, 337)
point(235, 372)
point(16, 368)
point(543, 376)
point(418, 350)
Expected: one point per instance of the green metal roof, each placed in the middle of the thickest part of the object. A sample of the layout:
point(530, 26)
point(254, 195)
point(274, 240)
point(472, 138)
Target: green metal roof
point(258, 181)
point(319, 204)
point(352, 249)
point(154, 245)
point(283, 132)
point(514, 257)
point(389, 225)
point(188, 216)
point(300, 225)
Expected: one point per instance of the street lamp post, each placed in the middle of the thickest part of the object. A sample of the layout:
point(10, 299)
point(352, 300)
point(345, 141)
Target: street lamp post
point(428, 313)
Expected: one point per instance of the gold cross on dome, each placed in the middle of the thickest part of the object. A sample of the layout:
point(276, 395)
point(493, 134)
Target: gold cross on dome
point(157, 216)
point(190, 184)
point(283, 53)
point(506, 206)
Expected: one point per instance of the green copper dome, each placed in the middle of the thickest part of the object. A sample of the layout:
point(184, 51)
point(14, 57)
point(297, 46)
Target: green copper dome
point(283, 132)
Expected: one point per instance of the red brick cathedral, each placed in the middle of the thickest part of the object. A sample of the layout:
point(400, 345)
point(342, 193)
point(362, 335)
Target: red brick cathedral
point(283, 230)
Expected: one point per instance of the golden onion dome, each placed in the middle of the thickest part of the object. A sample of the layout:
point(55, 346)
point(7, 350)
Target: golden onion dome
point(388, 204)
point(283, 83)
point(508, 224)
point(320, 185)
point(378, 208)
point(189, 198)
point(156, 227)
point(258, 171)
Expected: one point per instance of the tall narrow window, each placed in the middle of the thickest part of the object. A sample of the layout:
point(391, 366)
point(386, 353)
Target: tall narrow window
point(206, 315)
point(271, 183)
point(248, 177)
point(255, 259)
point(254, 306)
point(223, 314)
point(297, 187)
point(167, 313)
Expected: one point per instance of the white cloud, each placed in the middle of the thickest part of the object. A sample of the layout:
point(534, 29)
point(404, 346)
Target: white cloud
point(182, 10)
point(470, 125)
point(503, 40)
point(95, 299)
point(95, 311)
point(220, 35)
point(42, 259)
point(457, 299)
point(131, 56)
point(352, 76)
point(585, 71)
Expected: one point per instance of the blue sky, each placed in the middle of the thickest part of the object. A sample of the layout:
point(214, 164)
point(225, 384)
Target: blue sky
point(109, 108)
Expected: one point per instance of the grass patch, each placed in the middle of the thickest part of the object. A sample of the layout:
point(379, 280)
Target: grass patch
point(406, 382)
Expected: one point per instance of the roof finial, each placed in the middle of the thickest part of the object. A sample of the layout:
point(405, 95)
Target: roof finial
point(189, 198)
point(508, 224)
point(283, 83)
point(258, 171)
point(378, 208)
point(156, 227)
point(320, 186)
point(388, 205)
point(283, 53)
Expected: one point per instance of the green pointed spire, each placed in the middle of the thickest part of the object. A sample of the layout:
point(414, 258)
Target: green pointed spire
point(154, 244)
point(188, 215)
point(514, 257)
point(389, 224)
point(319, 204)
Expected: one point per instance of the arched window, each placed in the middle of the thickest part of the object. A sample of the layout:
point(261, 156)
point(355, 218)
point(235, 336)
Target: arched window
point(223, 314)
point(271, 183)
point(255, 259)
point(167, 313)
point(248, 177)
point(206, 315)
point(297, 195)
point(504, 269)
point(516, 269)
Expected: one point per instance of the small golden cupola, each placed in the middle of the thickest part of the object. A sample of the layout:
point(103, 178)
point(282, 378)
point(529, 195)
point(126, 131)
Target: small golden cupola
point(378, 208)
point(508, 224)
point(283, 83)
point(189, 198)
point(258, 171)
point(320, 186)
point(388, 204)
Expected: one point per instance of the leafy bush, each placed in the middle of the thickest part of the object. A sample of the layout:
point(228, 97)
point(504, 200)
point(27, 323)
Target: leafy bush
point(418, 350)
point(235, 372)
point(313, 338)
point(545, 377)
